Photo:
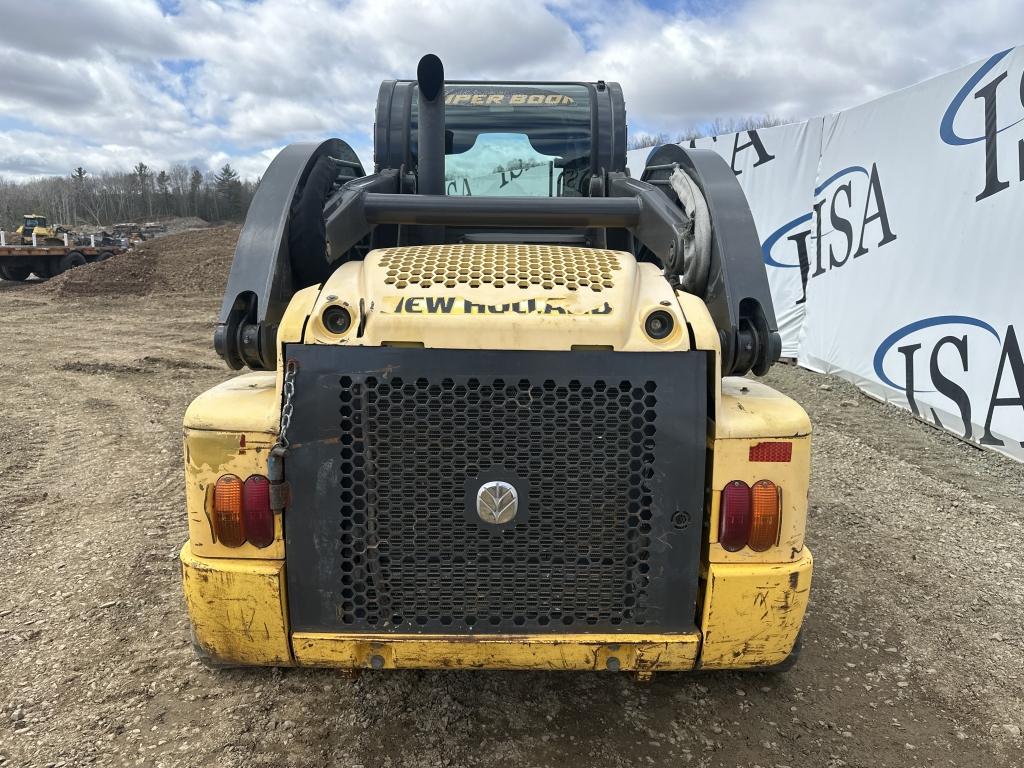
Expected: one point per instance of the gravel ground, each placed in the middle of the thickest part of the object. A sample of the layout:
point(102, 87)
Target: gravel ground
point(913, 643)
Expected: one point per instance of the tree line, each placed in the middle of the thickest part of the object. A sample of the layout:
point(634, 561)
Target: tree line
point(84, 199)
point(716, 127)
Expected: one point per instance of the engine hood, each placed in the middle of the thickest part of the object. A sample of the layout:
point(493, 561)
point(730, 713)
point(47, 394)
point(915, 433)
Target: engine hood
point(498, 296)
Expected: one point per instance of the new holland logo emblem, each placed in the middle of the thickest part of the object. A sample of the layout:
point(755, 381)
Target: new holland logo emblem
point(497, 502)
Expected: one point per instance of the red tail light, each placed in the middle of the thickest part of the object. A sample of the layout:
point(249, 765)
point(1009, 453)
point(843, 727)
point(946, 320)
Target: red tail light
point(228, 524)
point(259, 519)
point(765, 516)
point(734, 516)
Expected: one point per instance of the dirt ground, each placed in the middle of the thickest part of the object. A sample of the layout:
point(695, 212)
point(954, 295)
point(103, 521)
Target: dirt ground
point(914, 639)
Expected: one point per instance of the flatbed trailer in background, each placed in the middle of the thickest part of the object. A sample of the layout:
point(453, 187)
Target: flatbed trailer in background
point(18, 262)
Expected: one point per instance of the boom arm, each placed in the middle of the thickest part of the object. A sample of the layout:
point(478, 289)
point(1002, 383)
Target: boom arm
point(736, 290)
point(261, 283)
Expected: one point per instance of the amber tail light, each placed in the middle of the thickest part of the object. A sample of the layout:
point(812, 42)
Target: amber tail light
point(228, 522)
point(765, 515)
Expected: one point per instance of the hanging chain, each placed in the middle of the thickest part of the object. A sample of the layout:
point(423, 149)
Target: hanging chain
point(289, 402)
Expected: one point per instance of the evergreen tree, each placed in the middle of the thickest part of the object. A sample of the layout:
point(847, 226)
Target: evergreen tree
point(229, 191)
point(195, 183)
point(144, 182)
point(77, 191)
point(163, 188)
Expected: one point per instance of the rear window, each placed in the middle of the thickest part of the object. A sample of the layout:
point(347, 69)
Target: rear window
point(516, 140)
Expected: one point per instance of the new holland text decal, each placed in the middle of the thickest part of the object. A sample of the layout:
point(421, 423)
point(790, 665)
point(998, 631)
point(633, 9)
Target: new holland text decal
point(454, 305)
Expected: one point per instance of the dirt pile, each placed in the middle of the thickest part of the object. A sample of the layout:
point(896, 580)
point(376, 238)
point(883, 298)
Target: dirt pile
point(184, 224)
point(194, 263)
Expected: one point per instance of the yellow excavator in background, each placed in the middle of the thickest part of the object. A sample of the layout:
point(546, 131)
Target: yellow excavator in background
point(35, 224)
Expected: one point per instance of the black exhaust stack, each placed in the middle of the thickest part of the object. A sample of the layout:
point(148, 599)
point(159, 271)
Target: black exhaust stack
point(431, 139)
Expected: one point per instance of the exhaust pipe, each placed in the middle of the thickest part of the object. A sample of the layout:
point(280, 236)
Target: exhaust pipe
point(430, 131)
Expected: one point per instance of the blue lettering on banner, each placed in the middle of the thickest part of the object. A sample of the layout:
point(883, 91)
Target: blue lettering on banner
point(987, 100)
point(770, 259)
point(1008, 373)
point(844, 217)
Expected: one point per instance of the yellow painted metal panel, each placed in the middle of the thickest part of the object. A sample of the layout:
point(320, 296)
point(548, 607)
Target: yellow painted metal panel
point(237, 608)
point(753, 613)
point(208, 455)
point(732, 462)
point(496, 309)
point(246, 403)
point(750, 618)
point(293, 325)
point(752, 409)
point(641, 653)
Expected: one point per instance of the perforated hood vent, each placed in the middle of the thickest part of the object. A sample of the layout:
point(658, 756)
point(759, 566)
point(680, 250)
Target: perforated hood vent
point(499, 266)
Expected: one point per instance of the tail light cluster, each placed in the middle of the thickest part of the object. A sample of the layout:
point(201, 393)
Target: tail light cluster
point(241, 511)
point(750, 516)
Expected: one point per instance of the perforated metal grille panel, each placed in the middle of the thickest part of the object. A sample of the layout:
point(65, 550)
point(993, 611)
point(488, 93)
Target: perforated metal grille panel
point(499, 265)
point(589, 505)
point(384, 534)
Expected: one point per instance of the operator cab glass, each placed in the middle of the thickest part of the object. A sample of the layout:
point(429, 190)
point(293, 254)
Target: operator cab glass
point(516, 140)
point(35, 222)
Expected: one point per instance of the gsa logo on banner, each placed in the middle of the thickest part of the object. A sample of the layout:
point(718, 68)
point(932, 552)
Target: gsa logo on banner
point(990, 111)
point(858, 221)
point(929, 355)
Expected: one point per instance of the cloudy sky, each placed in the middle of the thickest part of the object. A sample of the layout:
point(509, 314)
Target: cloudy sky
point(108, 83)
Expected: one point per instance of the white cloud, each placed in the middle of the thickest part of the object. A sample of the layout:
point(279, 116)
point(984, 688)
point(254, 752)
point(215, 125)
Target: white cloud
point(109, 83)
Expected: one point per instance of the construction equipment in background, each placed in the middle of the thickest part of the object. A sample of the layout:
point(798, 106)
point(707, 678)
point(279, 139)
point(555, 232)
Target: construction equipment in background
point(18, 262)
point(493, 431)
point(35, 225)
point(129, 232)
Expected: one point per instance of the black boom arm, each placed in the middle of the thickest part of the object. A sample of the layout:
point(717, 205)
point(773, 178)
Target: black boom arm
point(261, 281)
point(736, 291)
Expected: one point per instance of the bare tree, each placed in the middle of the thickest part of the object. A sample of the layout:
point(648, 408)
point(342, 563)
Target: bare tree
point(716, 127)
point(179, 189)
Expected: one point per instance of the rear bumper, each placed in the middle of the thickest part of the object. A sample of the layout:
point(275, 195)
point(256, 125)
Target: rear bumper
point(750, 618)
point(597, 652)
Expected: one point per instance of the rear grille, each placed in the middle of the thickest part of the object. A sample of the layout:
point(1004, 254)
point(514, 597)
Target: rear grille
point(384, 536)
point(587, 451)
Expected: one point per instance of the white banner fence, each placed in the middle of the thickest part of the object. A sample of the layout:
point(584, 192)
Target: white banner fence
point(893, 236)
